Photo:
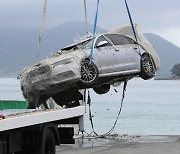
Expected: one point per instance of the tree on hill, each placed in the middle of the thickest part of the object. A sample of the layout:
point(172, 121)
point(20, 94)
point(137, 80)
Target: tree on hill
point(176, 70)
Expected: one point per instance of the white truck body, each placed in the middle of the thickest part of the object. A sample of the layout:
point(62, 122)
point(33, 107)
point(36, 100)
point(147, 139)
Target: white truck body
point(39, 117)
point(38, 131)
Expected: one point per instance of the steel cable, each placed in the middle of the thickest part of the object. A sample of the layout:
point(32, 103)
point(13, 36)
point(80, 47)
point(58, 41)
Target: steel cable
point(41, 28)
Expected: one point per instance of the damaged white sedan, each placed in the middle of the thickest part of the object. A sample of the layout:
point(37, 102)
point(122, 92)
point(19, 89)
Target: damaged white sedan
point(116, 57)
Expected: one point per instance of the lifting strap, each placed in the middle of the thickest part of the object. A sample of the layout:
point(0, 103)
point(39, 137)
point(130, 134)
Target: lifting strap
point(94, 31)
point(41, 28)
point(131, 21)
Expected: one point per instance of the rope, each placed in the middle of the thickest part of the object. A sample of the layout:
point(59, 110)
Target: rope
point(85, 13)
point(41, 28)
point(94, 31)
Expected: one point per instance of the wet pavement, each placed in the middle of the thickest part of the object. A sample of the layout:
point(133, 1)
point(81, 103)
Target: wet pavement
point(124, 144)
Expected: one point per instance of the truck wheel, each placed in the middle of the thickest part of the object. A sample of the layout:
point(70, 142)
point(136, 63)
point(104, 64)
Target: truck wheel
point(44, 144)
point(48, 143)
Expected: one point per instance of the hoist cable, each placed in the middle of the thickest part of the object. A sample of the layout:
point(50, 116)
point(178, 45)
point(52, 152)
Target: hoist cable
point(131, 21)
point(120, 109)
point(90, 114)
point(41, 28)
point(94, 31)
point(119, 112)
point(85, 13)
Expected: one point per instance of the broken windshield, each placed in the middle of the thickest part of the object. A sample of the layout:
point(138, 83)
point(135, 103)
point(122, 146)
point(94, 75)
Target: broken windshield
point(79, 46)
point(84, 45)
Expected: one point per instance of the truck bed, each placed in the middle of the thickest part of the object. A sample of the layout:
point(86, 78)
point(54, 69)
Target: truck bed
point(22, 118)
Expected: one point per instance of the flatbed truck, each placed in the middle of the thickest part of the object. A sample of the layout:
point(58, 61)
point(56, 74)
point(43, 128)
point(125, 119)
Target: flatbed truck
point(38, 131)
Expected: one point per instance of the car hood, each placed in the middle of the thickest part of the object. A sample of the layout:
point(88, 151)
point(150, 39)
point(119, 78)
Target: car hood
point(64, 55)
point(77, 54)
point(127, 31)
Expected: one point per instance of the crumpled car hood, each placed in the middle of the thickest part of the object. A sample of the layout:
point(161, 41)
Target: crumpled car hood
point(63, 55)
point(55, 58)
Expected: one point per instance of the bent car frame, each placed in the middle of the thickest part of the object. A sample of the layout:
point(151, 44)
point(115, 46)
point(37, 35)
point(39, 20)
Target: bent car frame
point(116, 57)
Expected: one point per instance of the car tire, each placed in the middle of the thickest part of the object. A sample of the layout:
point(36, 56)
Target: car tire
point(103, 89)
point(147, 67)
point(89, 73)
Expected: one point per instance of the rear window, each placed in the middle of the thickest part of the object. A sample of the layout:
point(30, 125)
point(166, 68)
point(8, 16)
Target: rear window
point(119, 39)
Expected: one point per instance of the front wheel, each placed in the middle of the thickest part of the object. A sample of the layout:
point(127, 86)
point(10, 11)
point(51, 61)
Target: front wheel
point(147, 67)
point(89, 73)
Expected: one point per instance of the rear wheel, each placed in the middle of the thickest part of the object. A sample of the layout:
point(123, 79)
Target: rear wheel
point(45, 143)
point(48, 142)
point(36, 143)
point(147, 67)
point(102, 89)
point(89, 72)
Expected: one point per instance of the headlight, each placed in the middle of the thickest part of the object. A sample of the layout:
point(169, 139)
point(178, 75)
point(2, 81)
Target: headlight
point(63, 62)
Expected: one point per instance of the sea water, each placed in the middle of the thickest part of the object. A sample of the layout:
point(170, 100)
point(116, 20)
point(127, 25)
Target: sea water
point(150, 107)
point(10, 89)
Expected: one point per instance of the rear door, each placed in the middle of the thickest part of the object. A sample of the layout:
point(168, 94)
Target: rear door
point(118, 55)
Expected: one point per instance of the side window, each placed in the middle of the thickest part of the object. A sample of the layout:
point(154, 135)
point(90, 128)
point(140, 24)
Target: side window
point(120, 39)
point(100, 39)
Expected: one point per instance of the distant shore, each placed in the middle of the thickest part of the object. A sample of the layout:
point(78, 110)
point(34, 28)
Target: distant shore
point(167, 78)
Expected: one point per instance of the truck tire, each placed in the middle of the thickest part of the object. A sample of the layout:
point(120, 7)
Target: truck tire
point(43, 144)
point(48, 143)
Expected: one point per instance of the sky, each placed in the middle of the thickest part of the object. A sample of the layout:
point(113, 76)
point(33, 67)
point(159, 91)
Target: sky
point(153, 16)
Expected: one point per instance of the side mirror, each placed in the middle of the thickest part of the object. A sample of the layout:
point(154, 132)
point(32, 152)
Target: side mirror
point(101, 44)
